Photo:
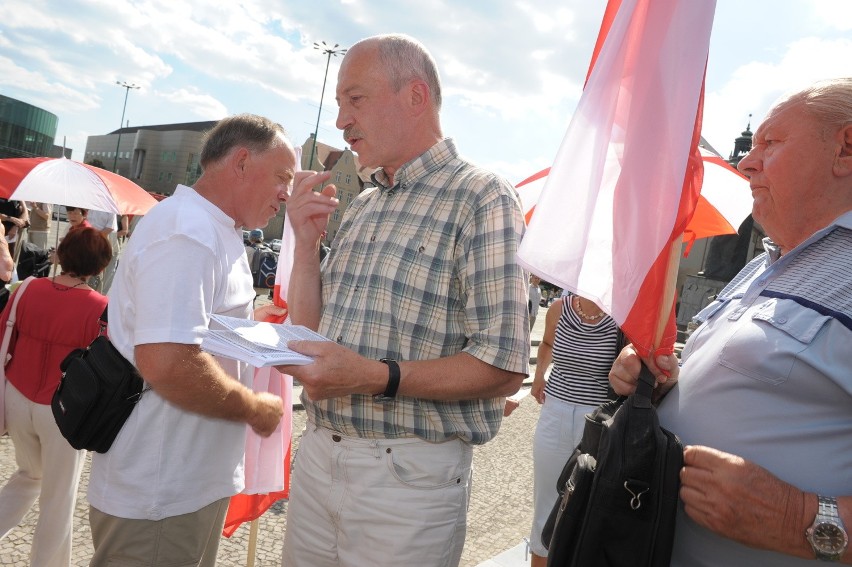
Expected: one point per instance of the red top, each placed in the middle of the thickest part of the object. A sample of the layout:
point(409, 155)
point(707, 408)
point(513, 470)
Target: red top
point(83, 224)
point(51, 321)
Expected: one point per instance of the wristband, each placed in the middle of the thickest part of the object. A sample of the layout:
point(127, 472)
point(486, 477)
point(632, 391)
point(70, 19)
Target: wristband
point(393, 382)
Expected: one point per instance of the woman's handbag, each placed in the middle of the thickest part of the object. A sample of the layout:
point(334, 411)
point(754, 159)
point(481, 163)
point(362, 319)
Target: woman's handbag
point(5, 357)
point(618, 491)
point(98, 391)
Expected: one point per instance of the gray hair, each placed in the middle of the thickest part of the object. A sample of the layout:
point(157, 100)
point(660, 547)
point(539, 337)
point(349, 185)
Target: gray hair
point(251, 131)
point(404, 59)
point(830, 101)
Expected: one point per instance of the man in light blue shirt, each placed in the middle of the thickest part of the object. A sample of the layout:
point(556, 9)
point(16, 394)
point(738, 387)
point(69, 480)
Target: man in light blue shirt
point(765, 400)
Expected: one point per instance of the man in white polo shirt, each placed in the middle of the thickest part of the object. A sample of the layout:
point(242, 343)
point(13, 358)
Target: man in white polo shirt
point(160, 494)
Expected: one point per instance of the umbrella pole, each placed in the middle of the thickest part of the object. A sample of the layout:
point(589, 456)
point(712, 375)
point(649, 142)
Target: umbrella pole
point(19, 242)
point(55, 263)
point(252, 542)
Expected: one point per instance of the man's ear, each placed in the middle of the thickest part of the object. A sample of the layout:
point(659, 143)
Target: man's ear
point(239, 161)
point(419, 96)
point(843, 161)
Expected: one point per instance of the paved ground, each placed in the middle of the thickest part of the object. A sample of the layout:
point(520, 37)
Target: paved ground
point(499, 517)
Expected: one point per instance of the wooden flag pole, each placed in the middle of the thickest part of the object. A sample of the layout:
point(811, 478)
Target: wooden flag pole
point(667, 299)
point(252, 547)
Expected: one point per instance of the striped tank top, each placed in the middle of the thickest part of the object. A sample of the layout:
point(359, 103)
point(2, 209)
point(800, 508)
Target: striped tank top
point(582, 357)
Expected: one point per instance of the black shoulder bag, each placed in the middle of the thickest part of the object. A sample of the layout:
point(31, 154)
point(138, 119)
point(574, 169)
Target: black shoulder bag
point(97, 392)
point(618, 492)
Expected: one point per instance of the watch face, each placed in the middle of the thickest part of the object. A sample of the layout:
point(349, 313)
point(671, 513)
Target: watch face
point(829, 538)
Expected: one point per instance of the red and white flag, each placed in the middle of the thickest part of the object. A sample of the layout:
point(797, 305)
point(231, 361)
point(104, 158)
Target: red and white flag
point(626, 179)
point(267, 470)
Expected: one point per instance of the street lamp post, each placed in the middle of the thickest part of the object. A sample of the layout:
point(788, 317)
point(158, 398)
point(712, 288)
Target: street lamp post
point(329, 51)
point(127, 86)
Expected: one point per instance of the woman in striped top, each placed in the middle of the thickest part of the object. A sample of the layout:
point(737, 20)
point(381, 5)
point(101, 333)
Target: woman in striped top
point(580, 340)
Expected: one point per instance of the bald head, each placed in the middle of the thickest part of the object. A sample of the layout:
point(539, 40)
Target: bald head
point(404, 59)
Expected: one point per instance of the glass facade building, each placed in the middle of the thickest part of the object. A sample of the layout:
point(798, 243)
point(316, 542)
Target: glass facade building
point(25, 130)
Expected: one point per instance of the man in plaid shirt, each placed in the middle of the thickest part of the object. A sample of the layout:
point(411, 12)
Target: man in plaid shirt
point(426, 307)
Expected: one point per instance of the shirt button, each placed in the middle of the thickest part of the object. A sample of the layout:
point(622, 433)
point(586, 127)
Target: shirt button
point(340, 339)
point(336, 438)
point(372, 239)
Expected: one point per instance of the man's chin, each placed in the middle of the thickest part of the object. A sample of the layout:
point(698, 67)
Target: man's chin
point(365, 159)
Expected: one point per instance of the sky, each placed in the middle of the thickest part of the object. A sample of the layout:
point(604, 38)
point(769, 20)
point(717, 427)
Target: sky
point(512, 71)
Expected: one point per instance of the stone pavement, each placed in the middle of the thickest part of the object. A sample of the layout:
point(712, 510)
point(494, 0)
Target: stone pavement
point(498, 520)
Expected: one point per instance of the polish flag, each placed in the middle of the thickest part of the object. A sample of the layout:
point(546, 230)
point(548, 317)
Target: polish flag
point(267, 461)
point(627, 178)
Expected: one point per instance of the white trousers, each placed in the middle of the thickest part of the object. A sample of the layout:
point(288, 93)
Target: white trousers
point(48, 470)
point(558, 432)
point(369, 503)
point(39, 238)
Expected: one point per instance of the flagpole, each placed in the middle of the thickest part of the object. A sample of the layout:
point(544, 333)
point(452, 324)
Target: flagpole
point(669, 289)
point(252, 547)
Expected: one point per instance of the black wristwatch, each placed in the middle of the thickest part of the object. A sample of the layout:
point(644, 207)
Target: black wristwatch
point(827, 534)
point(393, 382)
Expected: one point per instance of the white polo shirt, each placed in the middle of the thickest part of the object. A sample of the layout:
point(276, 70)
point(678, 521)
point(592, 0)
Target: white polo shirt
point(185, 261)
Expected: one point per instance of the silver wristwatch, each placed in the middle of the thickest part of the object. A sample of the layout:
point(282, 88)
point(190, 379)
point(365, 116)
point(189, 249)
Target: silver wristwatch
point(827, 535)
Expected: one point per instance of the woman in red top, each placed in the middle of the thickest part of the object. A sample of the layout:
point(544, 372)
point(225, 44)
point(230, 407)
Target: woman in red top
point(54, 316)
point(77, 217)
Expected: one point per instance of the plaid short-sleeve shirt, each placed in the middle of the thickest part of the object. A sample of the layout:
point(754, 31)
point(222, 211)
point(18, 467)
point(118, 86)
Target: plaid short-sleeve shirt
point(421, 270)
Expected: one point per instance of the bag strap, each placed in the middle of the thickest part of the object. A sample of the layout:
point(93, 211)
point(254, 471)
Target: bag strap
point(644, 388)
point(640, 439)
point(103, 320)
point(10, 322)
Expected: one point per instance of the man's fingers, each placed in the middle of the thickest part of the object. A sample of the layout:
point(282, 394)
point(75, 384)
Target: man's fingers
point(702, 457)
point(305, 181)
point(309, 348)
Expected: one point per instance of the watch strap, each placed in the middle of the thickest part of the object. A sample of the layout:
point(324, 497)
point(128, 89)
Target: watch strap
point(827, 518)
point(393, 381)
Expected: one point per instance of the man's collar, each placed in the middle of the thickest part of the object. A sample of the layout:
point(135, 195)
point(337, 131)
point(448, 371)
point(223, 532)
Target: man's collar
point(844, 220)
point(774, 251)
point(432, 159)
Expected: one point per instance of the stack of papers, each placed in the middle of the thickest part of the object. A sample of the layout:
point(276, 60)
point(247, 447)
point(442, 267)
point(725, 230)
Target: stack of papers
point(255, 342)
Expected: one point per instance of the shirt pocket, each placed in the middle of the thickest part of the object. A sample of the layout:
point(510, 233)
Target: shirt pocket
point(696, 337)
point(780, 331)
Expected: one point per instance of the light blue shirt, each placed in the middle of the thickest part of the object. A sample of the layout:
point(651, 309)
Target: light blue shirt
point(768, 376)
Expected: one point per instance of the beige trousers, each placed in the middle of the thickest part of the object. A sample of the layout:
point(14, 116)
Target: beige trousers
point(48, 470)
point(188, 540)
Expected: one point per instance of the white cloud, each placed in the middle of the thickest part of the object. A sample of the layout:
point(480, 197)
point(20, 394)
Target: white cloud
point(202, 105)
point(43, 92)
point(836, 14)
point(754, 86)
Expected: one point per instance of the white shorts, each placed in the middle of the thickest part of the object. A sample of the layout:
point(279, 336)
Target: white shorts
point(559, 430)
point(366, 502)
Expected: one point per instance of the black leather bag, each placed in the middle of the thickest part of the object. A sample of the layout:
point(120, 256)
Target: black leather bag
point(98, 391)
point(33, 261)
point(618, 492)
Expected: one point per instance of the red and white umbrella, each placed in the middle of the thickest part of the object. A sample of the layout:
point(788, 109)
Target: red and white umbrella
point(67, 182)
point(724, 204)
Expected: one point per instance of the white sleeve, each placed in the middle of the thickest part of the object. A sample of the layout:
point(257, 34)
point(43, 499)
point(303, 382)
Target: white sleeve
point(175, 284)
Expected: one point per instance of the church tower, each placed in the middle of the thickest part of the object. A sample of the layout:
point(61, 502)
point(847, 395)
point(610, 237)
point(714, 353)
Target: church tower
point(742, 145)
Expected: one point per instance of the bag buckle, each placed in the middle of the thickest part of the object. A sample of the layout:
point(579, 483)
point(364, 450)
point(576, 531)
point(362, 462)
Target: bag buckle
point(640, 489)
